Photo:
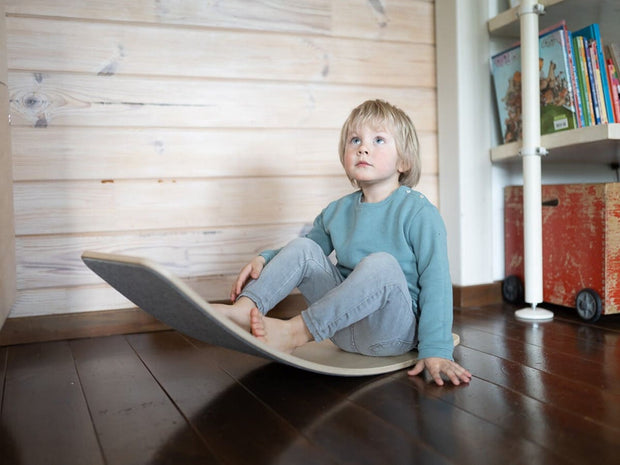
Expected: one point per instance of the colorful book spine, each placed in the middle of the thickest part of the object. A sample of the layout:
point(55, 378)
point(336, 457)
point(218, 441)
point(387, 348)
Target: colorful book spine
point(592, 32)
point(597, 73)
point(584, 82)
point(592, 84)
point(574, 78)
point(614, 87)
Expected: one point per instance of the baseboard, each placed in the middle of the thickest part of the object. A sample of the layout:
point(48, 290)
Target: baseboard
point(478, 295)
point(43, 328)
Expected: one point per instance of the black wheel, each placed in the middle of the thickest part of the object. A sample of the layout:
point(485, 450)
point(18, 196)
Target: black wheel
point(512, 290)
point(588, 304)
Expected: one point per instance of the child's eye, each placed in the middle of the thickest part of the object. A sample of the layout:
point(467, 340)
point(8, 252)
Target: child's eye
point(379, 140)
point(355, 140)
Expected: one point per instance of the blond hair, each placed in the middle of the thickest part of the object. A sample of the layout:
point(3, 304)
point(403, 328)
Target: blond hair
point(382, 115)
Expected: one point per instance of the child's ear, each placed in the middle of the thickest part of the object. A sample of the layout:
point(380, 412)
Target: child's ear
point(403, 166)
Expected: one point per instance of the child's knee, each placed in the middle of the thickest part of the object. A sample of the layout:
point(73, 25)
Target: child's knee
point(381, 260)
point(304, 244)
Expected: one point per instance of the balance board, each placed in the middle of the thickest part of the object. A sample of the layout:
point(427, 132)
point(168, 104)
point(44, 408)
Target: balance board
point(172, 302)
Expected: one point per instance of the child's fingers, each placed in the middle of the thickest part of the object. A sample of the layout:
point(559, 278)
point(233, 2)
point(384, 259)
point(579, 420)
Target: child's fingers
point(240, 282)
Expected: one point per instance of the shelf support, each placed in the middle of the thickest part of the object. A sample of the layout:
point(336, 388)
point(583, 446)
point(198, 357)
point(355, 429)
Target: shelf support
point(531, 153)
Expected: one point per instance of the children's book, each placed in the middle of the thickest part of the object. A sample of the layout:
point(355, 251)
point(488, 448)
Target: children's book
point(614, 87)
point(613, 49)
point(596, 103)
point(584, 80)
point(557, 98)
point(593, 35)
point(574, 79)
point(558, 110)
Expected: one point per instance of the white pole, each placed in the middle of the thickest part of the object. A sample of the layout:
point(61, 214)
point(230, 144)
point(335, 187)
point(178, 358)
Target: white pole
point(531, 153)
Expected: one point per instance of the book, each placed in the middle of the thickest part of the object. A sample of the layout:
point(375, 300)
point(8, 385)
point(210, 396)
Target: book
point(574, 79)
point(614, 87)
point(613, 49)
point(506, 71)
point(599, 104)
point(582, 80)
point(557, 93)
point(592, 34)
point(558, 110)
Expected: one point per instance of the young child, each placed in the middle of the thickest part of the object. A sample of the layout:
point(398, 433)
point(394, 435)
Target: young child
point(390, 289)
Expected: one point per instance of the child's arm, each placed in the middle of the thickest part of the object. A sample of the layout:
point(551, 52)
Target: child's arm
point(428, 237)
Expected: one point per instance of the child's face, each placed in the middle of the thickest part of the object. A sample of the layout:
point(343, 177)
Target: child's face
point(371, 157)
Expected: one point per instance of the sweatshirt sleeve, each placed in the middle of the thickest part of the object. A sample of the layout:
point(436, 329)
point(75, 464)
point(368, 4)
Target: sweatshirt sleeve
point(428, 237)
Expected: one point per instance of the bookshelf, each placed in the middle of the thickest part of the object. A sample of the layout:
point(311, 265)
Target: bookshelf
point(602, 142)
point(593, 144)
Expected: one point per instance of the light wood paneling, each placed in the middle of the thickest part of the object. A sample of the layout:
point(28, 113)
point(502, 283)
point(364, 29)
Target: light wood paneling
point(7, 242)
point(401, 20)
point(54, 261)
point(195, 133)
point(155, 153)
point(279, 15)
point(45, 99)
point(396, 20)
point(108, 49)
point(78, 299)
point(87, 206)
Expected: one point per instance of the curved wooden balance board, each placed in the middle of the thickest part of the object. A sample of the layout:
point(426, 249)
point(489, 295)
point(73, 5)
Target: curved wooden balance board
point(172, 302)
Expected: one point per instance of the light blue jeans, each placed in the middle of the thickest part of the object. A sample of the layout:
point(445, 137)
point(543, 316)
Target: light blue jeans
point(370, 312)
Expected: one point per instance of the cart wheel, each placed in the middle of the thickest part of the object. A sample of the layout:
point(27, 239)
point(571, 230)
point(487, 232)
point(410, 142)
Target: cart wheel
point(589, 306)
point(512, 290)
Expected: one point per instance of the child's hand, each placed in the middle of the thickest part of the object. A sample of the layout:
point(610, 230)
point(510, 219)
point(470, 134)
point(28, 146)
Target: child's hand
point(437, 366)
point(250, 271)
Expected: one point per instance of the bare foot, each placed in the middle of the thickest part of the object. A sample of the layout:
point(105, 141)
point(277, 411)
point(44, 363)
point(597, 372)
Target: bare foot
point(238, 313)
point(284, 335)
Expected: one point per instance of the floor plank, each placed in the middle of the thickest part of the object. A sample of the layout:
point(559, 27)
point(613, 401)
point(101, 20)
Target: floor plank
point(569, 437)
point(406, 403)
point(319, 406)
point(219, 408)
point(44, 413)
point(135, 420)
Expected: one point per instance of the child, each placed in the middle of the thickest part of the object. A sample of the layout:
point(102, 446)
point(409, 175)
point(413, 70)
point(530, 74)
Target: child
point(390, 290)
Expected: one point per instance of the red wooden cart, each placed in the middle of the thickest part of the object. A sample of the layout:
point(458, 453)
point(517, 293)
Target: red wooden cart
point(581, 247)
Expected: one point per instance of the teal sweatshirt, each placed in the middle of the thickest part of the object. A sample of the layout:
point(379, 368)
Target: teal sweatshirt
point(407, 226)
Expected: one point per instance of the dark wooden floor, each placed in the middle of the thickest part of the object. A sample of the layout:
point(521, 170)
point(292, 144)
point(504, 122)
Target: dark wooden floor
point(542, 393)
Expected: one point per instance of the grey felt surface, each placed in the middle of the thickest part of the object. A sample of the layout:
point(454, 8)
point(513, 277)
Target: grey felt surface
point(171, 301)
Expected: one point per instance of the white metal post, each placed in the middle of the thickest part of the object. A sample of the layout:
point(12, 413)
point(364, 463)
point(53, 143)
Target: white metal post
point(531, 153)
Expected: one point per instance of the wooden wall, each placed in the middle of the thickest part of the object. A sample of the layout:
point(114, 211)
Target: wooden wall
point(194, 133)
point(7, 235)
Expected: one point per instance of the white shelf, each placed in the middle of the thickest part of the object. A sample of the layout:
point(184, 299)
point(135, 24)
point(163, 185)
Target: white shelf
point(593, 144)
point(577, 13)
point(506, 24)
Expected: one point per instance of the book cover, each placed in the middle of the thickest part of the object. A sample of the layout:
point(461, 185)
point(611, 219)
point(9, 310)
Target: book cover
point(592, 83)
point(557, 98)
point(614, 54)
point(614, 88)
point(582, 80)
point(506, 72)
point(557, 95)
point(592, 32)
point(574, 80)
